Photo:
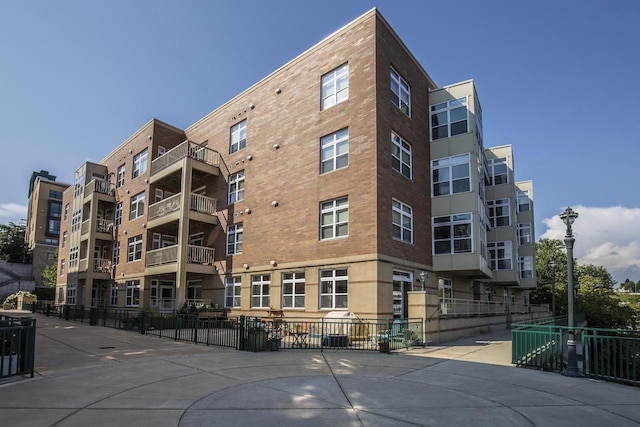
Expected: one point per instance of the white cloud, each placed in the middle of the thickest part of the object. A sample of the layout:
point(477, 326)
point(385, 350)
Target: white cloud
point(12, 212)
point(609, 237)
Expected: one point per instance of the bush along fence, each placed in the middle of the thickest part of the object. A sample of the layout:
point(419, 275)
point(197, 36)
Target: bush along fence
point(607, 354)
point(17, 346)
point(252, 333)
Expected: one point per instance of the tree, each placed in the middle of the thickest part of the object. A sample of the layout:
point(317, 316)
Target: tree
point(50, 275)
point(547, 250)
point(13, 247)
point(595, 276)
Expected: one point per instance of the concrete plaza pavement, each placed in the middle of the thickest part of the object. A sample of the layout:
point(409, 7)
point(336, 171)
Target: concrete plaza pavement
point(96, 376)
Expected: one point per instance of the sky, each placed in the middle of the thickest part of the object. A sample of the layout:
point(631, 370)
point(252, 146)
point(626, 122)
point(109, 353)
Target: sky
point(77, 78)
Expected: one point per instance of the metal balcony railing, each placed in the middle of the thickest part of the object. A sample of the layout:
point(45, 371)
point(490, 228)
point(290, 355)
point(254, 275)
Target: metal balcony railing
point(185, 149)
point(162, 256)
point(200, 255)
point(203, 204)
point(165, 207)
point(99, 186)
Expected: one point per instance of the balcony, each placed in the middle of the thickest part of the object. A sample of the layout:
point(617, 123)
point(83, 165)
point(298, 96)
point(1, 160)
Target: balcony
point(101, 268)
point(168, 210)
point(103, 226)
point(100, 187)
point(200, 255)
point(187, 149)
point(465, 307)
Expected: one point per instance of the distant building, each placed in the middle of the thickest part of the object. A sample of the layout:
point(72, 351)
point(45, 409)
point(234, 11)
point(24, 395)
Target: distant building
point(331, 184)
point(43, 221)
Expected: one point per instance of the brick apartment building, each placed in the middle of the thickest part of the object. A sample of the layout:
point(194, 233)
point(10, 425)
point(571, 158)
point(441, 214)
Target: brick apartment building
point(331, 184)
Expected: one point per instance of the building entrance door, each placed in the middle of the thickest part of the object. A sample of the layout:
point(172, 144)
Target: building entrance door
point(402, 283)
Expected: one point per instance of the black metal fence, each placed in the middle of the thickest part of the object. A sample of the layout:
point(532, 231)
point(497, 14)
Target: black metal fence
point(253, 334)
point(17, 346)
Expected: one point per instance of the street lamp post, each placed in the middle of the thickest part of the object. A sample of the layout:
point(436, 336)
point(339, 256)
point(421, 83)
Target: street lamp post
point(568, 217)
point(423, 279)
point(553, 264)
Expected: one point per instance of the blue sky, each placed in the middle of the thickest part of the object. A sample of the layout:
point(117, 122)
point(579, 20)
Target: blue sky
point(556, 79)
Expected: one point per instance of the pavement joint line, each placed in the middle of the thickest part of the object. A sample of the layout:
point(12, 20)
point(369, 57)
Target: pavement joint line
point(344, 393)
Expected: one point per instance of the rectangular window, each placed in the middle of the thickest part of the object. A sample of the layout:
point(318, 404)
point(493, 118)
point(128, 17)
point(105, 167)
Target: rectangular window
point(260, 285)
point(524, 233)
point(64, 239)
point(66, 212)
point(75, 221)
point(524, 202)
point(134, 251)
point(400, 155)
point(116, 253)
point(234, 239)
point(132, 298)
point(113, 295)
point(118, 214)
point(501, 255)
point(137, 206)
point(62, 266)
point(238, 139)
point(334, 151)
point(334, 289)
point(525, 267)
point(120, 176)
point(445, 290)
point(334, 218)
point(54, 194)
point(400, 93)
point(335, 87)
point(232, 289)
point(73, 257)
point(499, 212)
point(402, 221)
point(140, 163)
point(293, 290)
point(53, 220)
point(498, 171)
point(451, 175)
point(236, 187)
point(449, 118)
point(452, 234)
point(71, 294)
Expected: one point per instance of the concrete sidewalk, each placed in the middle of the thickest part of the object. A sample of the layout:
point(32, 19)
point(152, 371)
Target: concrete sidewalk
point(95, 376)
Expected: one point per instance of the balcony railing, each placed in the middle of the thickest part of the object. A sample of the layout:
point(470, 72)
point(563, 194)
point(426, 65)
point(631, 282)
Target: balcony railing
point(186, 149)
point(104, 226)
point(163, 303)
point(162, 256)
point(102, 265)
point(200, 255)
point(195, 255)
point(165, 207)
point(203, 204)
point(99, 186)
point(465, 307)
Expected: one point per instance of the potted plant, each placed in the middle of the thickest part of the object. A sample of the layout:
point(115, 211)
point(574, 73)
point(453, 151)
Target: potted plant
point(274, 340)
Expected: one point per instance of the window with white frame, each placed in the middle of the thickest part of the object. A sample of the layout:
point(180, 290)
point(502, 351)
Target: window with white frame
point(334, 151)
point(524, 233)
point(78, 184)
point(232, 292)
point(60, 295)
point(334, 218)
point(120, 176)
point(293, 290)
point(66, 211)
point(64, 239)
point(113, 295)
point(140, 163)
point(525, 267)
point(499, 212)
point(194, 290)
point(238, 138)
point(118, 214)
point(335, 87)
point(132, 296)
point(334, 289)
point(134, 250)
point(501, 255)
point(445, 290)
point(71, 294)
point(137, 206)
point(400, 93)
point(76, 218)
point(116, 253)
point(234, 239)
point(449, 118)
point(452, 234)
point(401, 158)
point(451, 175)
point(236, 187)
point(62, 266)
point(402, 221)
point(498, 171)
point(73, 257)
point(524, 202)
point(260, 287)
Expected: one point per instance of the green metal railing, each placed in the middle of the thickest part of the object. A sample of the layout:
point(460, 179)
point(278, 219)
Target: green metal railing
point(537, 346)
point(17, 346)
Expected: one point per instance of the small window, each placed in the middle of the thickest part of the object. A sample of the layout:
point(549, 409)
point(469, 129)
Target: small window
point(401, 155)
point(501, 255)
point(334, 289)
point(335, 87)
point(334, 151)
point(140, 163)
point(236, 187)
point(449, 118)
point(524, 202)
point(134, 251)
point(400, 93)
point(120, 176)
point(233, 287)
point(334, 218)
point(293, 290)
point(234, 239)
point(499, 212)
point(137, 206)
point(133, 293)
point(498, 171)
point(238, 139)
point(260, 287)
point(402, 221)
